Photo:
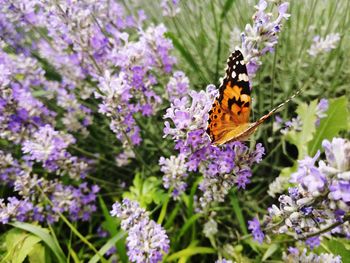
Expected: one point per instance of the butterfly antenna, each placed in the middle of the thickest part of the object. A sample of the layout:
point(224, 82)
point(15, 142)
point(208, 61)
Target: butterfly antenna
point(263, 118)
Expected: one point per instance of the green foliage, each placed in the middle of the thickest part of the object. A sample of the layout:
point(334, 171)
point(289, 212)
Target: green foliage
point(145, 191)
point(43, 235)
point(337, 120)
point(190, 251)
point(307, 114)
point(339, 247)
point(18, 245)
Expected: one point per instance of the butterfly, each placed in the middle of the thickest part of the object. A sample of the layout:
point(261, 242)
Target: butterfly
point(229, 116)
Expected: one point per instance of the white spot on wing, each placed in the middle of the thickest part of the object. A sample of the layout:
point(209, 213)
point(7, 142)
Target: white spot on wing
point(243, 77)
point(233, 74)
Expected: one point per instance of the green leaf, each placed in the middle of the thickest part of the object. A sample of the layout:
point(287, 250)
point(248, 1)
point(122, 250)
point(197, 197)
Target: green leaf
point(337, 248)
point(74, 256)
point(300, 139)
point(188, 252)
point(330, 126)
point(270, 251)
point(111, 222)
point(111, 226)
point(188, 223)
point(37, 255)
point(183, 51)
point(238, 212)
point(227, 6)
point(18, 245)
point(45, 236)
point(171, 217)
point(110, 243)
point(145, 192)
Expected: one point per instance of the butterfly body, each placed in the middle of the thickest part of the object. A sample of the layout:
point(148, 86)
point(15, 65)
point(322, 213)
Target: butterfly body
point(229, 116)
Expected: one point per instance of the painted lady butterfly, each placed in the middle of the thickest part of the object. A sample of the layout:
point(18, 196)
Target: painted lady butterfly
point(229, 116)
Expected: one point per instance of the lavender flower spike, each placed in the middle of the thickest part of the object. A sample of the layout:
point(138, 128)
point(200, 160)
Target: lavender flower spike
point(146, 241)
point(262, 36)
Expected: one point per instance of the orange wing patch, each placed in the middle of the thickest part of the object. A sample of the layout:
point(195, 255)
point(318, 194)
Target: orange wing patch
point(229, 116)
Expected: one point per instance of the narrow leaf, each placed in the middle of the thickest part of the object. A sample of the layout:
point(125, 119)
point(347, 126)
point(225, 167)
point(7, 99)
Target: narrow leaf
point(270, 251)
point(239, 215)
point(110, 243)
point(111, 226)
point(183, 51)
point(187, 225)
point(227, 6)
point(188, 252)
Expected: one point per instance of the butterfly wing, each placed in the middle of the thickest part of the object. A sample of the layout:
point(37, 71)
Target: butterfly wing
point(229, 115)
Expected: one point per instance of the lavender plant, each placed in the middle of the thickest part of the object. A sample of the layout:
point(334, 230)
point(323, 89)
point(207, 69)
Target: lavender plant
point(104, 154)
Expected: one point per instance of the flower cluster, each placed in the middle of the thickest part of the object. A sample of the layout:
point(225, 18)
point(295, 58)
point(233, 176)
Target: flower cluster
point(98, 41)
point(323, 45)
point(263, 35)
point(34, 193)
point(320, 196)
point(131, 90)
point(50, 147)
point(296, 256)
point(21, 113)
point(146, 241)
point(177, 86)
point(222, 168)
point(175, 172)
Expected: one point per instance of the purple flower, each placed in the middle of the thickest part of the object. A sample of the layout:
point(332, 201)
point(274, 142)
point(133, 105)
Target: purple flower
point(170, 7)
point(254, 227)
point(340, 190)
point(323, 45)
point(262, 36)
point(313, 242)
point(320, 196)
point(177, 85)
point(146, 241)
point(47, 145)
point(294, 255)
point(322, 107)
point(175, 172)
point(309, 176)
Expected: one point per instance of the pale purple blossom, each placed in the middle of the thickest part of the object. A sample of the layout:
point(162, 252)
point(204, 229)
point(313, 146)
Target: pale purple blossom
point(170, 7)
point(175, 173)
point(320, 196)
point(295, 255)
point(147, 241)
point(323, 45)
point(321, 109)
point(254, 227)
point(262, 36)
